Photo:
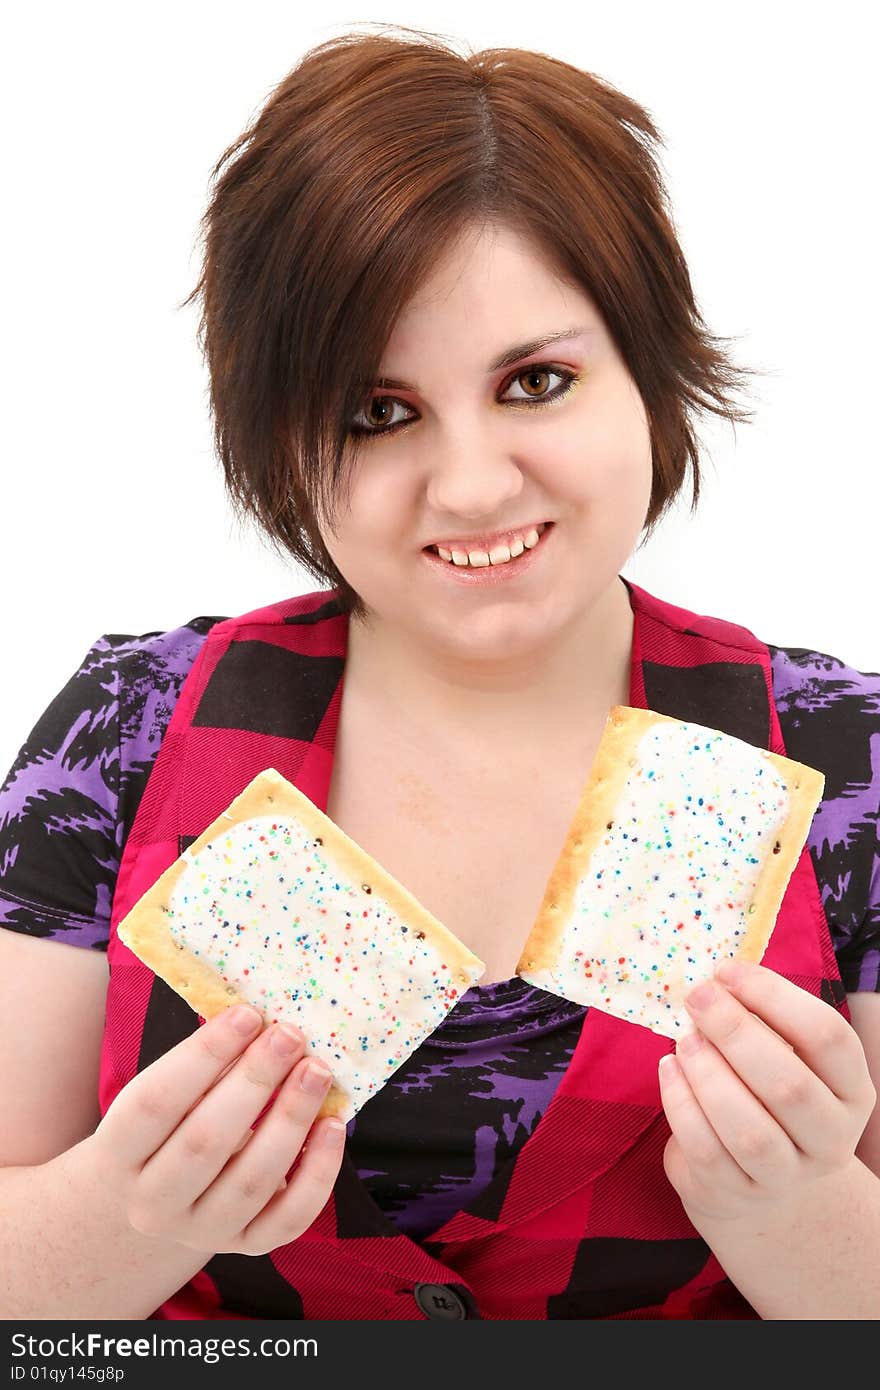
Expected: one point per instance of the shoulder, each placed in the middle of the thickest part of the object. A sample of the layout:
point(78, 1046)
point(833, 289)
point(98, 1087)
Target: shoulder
point(803, 675)
point(829, 712)
point(159, 656)
point(148, 672)
point(84, 715)
point(70, 797)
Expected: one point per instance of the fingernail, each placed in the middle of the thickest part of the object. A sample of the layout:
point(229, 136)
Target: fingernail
point(701, 997)
point(315, 1079)
point(668, 1068)
point(689, 1043)
point(730, 971)
point(243, 1019)
point(333, 1133)
point(286, 1040)
point(249, 1134)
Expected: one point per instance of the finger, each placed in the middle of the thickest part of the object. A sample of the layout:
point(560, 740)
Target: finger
point(749, 1133)
point(308, 1189)
point(816, 1031)
point(248, 1134)
point(793, 1095)
point(248, 1179)
point(193, 1155)
point(706, 1157)
point(150, 1107)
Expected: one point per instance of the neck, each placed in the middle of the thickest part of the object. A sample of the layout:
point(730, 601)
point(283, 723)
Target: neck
point(574, 676)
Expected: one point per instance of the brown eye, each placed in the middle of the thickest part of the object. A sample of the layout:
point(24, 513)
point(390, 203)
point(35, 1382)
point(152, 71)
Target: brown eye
point(532, 376)
point(533, 383)
point(376, 416)
point(379, 411)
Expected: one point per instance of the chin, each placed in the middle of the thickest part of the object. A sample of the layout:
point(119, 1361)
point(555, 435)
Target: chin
point(504, 628)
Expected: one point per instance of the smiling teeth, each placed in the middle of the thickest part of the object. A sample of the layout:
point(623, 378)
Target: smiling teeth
point(499, 555)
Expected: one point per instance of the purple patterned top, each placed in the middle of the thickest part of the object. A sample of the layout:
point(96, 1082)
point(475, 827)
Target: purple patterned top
point(477, 1087)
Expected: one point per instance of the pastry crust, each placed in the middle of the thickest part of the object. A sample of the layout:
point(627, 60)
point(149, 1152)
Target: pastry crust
point(594, 817)
point(806, 786)
point(146, 931)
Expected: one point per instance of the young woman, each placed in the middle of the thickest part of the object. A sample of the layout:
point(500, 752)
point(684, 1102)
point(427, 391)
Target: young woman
point(454, 352)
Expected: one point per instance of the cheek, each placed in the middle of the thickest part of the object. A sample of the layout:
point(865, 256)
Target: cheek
point(603, 465)
point(605, 452)
point(381, 489)
point(364, 517)
point(372, 532)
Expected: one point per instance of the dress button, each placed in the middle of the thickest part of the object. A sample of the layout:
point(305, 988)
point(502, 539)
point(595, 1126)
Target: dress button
point(439, 1301)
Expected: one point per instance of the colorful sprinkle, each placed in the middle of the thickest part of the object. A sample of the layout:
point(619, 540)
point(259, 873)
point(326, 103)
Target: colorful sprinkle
point(304, 917)
point(670, 842)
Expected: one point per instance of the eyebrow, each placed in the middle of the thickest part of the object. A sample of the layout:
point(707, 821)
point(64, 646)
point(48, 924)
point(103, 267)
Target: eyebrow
point(507, 358)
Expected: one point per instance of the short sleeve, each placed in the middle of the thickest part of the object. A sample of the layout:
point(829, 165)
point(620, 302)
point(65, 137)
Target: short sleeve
point(70, 798)
point(58, 812)
point(829, 714)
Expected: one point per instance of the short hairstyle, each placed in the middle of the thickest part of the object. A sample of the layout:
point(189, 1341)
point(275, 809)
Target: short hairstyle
point(375, 151)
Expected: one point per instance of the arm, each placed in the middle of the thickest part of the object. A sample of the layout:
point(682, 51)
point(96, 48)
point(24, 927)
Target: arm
point(213, 1147)
point(865, 1014)
point(69, 1251)
point(767, 1111)
point(815, 1256)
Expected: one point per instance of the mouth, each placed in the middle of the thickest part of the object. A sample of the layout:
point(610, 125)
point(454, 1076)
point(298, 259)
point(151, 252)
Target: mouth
point(485, 548)
point(487, 572)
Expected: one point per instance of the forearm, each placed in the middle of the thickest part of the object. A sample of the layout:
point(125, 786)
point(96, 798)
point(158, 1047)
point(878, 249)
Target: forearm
point(69, 1252)
point(817, 1257)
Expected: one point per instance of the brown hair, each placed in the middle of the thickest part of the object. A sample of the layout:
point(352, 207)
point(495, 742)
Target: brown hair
point(372, 153)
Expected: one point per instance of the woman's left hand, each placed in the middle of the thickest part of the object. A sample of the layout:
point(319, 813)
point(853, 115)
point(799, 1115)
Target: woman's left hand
point(769, 1093)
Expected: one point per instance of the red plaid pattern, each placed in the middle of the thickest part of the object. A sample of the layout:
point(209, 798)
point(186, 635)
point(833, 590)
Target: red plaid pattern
point(584, 1223)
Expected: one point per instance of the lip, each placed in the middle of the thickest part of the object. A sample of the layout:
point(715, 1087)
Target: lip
point(493, 538)
point(492, 574)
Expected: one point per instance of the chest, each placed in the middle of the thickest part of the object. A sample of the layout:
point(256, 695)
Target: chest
point(474, 839)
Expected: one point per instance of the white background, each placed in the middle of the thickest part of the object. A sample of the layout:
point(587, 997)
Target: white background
point(113, 508)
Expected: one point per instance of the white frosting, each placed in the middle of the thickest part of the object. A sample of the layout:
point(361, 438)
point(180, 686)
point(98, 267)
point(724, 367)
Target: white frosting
point(266, 908)
point(668, 888)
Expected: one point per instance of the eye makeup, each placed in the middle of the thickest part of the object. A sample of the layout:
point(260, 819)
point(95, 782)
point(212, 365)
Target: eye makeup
point(568, 380)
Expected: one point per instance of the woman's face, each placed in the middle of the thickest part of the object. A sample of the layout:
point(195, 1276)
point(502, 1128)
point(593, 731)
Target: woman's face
point(472, 459)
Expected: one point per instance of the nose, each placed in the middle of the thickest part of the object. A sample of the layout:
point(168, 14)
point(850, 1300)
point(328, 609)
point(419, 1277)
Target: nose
point(472, 480)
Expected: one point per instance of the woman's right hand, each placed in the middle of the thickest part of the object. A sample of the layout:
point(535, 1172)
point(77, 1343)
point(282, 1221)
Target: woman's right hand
point(177, 1141)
